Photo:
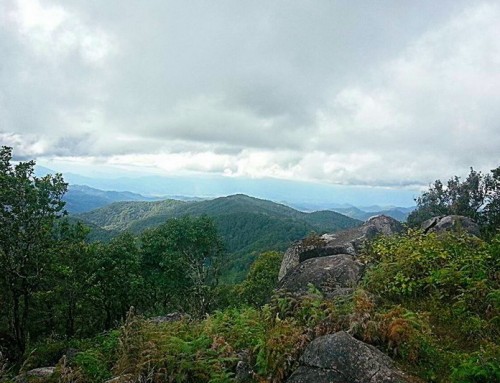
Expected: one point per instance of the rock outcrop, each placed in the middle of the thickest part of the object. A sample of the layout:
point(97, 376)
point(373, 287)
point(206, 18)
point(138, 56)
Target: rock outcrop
point(333, 275)
point(339, 358)
point(450, 223)
point(36, 375)
point(343, 242)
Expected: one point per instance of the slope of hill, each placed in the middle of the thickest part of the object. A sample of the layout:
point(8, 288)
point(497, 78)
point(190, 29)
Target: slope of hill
point(81, 198)
point(247, 225)
point(137, 216)
point(122, 215)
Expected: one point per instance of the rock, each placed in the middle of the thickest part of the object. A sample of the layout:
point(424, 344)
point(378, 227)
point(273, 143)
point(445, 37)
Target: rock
point(35, 375)
point(342, 242)
point(445, 223)
point(172, 317)
point(339, 358)
point(333, 275)
point(244, 372)
point(127, 378)
point(41, 372)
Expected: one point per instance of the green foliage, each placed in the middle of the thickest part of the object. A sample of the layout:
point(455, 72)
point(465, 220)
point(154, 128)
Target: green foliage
point(116, 281)
point(477, 197)
point(451, 284)
point(248, 226)
point(261, 280)
point(431, 302)
point(453, 268)
point(92, 365)
point(479, 367)
point(29, 206)
point(174, 352)
point(181, 263)
point(240, 327)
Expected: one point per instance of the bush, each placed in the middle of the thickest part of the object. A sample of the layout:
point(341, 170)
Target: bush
point(480, 367)
point(451, 268)
point(262, 278)
point(93, 366)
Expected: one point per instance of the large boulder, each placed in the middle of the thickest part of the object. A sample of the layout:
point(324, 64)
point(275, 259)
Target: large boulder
point(39, 374)
point(342, 242)
point(450, 223)
point(339, 358)
point(333, 275)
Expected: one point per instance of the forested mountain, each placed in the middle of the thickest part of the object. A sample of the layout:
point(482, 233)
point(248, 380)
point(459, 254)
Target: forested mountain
point(82, 198)
point(247, 225)
point(139, 215)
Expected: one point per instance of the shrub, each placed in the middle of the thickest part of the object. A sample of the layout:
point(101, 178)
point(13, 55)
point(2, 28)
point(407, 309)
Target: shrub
point(452, 268)
point(93, 366)
point(479, 367)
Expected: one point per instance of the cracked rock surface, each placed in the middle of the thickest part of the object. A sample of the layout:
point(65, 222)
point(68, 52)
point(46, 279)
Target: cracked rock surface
point(339, 358)
point(333, 275)
point(445, 223)
point(343, 242)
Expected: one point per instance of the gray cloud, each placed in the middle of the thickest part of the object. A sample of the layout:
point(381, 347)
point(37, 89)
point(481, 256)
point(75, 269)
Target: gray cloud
point(376, 93)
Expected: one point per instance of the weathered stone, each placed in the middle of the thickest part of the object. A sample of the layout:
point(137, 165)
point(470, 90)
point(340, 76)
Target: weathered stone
point(339, 358)
point(127, 378)
point(35, 375)
point(450, 223)
point(333, 275)
point(244, 372)
point(172, 317)
point(41, 372)
point(343, 242)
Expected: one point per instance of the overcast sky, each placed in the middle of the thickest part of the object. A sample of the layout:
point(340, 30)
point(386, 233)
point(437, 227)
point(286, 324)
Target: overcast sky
point(380, 93)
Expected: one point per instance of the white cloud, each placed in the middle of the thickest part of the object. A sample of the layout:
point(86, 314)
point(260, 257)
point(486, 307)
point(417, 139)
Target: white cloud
point(339, 93)
point(53, 33)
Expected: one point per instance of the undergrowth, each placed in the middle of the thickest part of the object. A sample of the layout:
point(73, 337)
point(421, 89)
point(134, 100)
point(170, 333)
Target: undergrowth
point(430, 302)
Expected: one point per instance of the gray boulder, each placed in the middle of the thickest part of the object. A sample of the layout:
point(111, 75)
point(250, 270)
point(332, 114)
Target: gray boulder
point(445, 223)
point(172, 317)
point(339, 358)
point(333, 275)
point(343, 242)
point(36, 374)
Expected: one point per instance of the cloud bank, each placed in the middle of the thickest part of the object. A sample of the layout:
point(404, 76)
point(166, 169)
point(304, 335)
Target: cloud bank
point(357, 93)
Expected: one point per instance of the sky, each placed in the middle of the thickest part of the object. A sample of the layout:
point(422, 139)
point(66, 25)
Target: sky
point(378, 94)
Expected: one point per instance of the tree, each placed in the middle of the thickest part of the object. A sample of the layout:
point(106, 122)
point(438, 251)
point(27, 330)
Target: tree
point(182, 258)
point(165, 277)
point(68, 297)
point(262, 279)
point(29, 206)
point(491, 216)
point(116, 280)
point(477, 197)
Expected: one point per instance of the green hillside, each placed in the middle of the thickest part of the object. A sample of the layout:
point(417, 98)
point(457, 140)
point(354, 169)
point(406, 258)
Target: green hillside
point(82, 198)
point(121, 215)
point(247, 225)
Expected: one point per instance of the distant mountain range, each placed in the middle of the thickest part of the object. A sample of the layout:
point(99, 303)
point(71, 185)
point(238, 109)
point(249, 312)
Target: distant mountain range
point(247, 225)
point(81, 198)
point(308, 196)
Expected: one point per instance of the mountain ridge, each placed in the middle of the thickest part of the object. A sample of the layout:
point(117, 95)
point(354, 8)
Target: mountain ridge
point(247, 225)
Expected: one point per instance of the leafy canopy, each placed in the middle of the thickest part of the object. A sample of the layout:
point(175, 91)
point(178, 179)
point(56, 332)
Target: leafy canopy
point(477, 197)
